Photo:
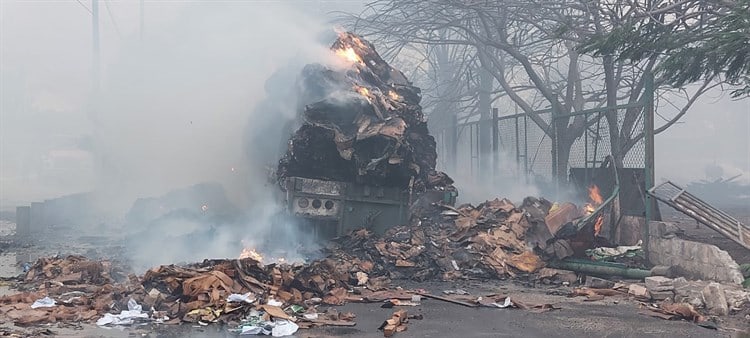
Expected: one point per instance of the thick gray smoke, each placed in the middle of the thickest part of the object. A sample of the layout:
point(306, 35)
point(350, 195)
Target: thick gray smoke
point(231, 142)
point(207, 95)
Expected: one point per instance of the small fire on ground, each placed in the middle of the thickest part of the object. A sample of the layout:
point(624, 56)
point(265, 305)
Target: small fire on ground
point(251, 253)
point(596, 200)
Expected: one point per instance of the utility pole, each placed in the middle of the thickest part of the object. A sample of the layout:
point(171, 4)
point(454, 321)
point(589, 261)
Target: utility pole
point(94, 105)
point(142, 20)
point(95, 45)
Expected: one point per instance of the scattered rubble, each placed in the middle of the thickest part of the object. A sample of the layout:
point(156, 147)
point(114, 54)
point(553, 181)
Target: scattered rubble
point(639, 292)
point(715, 300)
point(557, 276)
point(488, 240)
point(396, 323)
point(671, 311)
point(599, 283)
point(660, 288)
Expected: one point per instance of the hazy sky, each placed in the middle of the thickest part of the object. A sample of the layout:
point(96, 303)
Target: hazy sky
point(174, 105)
point(715, 131)
point(178, 100)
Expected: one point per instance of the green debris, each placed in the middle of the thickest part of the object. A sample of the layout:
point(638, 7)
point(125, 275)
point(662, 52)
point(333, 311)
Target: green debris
point(745, 269)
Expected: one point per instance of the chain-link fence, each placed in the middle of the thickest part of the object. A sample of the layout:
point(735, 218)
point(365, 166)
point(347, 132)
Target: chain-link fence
point(524, 150)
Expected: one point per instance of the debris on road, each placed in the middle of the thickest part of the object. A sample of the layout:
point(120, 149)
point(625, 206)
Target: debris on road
point(715, 299)
point(44, 302)
point(607, 254)
point(488, 240)
point(396, 323)
point(671, 311)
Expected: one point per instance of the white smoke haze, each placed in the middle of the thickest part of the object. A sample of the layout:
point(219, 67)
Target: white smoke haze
point(508, 182)
point(181, 106)
point(208, 96)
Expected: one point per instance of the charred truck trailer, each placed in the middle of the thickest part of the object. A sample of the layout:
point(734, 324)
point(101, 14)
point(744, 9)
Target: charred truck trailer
point(363, 155)
point(329, 208)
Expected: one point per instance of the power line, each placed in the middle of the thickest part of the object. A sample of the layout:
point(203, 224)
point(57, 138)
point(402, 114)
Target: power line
point(111, 17)
point(84, 6)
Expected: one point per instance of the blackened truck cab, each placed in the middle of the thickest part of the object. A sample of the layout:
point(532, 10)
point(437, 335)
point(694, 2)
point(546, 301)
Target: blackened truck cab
point(327, 209)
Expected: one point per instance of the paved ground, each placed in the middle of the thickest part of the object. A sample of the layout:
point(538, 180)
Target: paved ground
point(596, 319)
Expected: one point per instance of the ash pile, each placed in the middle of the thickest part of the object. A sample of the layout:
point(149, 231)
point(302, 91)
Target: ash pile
point(364, 125)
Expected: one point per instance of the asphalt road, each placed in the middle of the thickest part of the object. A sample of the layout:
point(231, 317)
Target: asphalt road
point(612, 317)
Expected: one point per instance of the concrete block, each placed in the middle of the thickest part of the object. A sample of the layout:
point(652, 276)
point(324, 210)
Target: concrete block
point(715, 300)
point(692, 296)
point(696, 260)
point(659, 283)
point(680, 282)
point(662, 229)
point(692, 250)
point(599, 283)
point(655, 228)
point(667, 247)
point(638, 291)
point(704, 254)
point(558, 275)
point(662, 295)
point(724, 259)
point(736, 298)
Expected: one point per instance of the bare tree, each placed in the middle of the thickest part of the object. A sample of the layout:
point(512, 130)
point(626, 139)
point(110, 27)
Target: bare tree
point(530, 50)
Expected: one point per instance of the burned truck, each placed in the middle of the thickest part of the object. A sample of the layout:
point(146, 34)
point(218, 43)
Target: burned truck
point(363, 156)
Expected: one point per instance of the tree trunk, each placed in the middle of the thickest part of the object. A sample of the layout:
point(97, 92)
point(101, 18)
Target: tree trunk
point(612, 114)
point(485, 127)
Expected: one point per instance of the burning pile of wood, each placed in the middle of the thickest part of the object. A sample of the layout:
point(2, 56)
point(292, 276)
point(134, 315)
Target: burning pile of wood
point(75, 289)
point(364, 124)
point(485, 241)
point(495, 239)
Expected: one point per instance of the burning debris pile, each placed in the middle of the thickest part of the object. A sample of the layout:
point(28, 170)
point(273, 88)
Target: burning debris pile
point(74, 289)
point(364, 125)
point(488, 240)
point(495, 239)
point(492, 240)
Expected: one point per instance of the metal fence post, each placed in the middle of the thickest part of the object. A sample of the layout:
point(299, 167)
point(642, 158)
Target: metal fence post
point(495, 146)
point(526, 148)
point(648, 131)
point(453, 144)
point(518, 149)
point(555, 146)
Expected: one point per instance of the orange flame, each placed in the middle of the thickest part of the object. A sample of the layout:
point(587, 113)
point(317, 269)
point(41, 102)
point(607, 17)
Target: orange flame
point(363, 91)
point(349, 54)
point(596, 200)
point(251, 253)
point(598, 225)
point(394, 96)
point(595, 196)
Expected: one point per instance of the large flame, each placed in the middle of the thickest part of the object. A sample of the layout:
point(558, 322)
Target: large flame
point(349, 54)
point(596, 200)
